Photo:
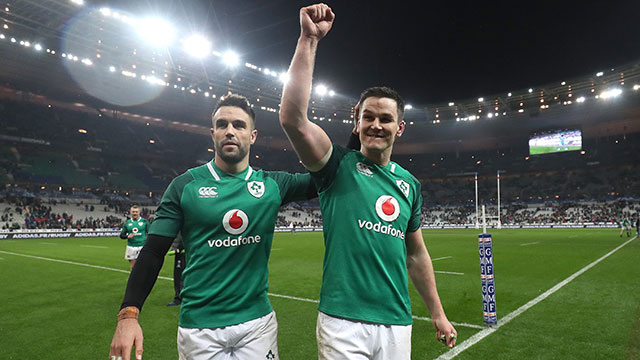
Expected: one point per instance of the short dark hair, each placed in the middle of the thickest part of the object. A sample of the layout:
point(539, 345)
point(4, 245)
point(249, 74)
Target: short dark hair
point(384, 92)
point(237, 101)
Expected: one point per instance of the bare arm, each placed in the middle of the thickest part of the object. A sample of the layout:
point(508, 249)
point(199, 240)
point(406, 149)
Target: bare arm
point(310, 142)
point(421, 272)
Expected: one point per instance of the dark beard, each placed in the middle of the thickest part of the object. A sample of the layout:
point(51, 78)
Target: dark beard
point(232, 158)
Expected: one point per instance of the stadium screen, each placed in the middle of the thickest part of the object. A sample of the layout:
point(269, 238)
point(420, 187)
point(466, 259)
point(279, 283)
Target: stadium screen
point(555, 141)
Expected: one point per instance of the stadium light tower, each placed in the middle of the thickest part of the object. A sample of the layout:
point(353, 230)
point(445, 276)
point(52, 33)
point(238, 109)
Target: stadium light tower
point(321, 90)
point(197, 46)
point(230, 58)
point(156, 32)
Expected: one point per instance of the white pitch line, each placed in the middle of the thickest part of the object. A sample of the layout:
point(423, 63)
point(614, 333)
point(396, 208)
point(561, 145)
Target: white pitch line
point(442, 258)
point(448, 272)
point(532, 243)
point(487, 331)
point(48, 243)
point(171, 279)
point(294, 298)
point(473, 326)
point(75, 263)
point(95, 246)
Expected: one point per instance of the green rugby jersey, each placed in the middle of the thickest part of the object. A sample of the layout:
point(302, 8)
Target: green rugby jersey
point(367, 210)
point(139, 228)
point(227, 223)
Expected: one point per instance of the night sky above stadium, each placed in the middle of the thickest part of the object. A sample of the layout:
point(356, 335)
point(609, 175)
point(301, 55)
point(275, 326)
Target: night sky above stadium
point(434, 51)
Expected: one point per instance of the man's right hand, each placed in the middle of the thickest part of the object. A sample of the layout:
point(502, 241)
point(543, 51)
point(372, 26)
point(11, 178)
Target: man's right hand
point(131, 235)
point(128, 335)
point(316, 20)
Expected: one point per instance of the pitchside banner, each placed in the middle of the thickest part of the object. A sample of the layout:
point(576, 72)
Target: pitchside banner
point(485, 248)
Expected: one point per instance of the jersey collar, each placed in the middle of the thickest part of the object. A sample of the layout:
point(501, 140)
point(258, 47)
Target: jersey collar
point(214, 170)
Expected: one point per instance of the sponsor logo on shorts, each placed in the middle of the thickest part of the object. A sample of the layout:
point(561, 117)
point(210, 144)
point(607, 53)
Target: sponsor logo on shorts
point(206, 192)
point(364, 169)
point(235, 222)
point(270, 355)
point(387, 208)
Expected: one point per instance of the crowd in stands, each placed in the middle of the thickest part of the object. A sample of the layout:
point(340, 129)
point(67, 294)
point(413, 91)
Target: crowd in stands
point(113, 164)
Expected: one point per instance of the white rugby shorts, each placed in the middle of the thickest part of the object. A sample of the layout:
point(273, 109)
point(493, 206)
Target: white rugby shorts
point(340, 338)
point(254, 339)
point(132, 252)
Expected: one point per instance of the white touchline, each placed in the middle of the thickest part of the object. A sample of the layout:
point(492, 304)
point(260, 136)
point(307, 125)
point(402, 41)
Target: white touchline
point(533, 243)
point(442, 258)
point(76, 263)
point(447, 272)
point(95, 246)
point(487, 331)
point(473, 326)
point(171, 279)
point(48, 243)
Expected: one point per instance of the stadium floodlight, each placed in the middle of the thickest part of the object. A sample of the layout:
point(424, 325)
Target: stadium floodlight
point(408, 107)
point(112, 68)
point(490, 115)
point(78, 2)
point(230, 58)
point(530, 90)
point(599, 73)
point(611, 93)
point(197, 46)
point(284, 77)
point(87, 62)
point(451, 103)
point(481, 99)
point(509, 94)
point(105, 11)
point(2, 36)
point(156, 32)
point(266, 71)
point(331, 93)
point(580, 99)
point(321, 90)
point(635, 87)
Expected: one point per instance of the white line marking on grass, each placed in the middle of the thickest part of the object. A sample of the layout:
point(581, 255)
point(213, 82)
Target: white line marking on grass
point(95, 246)
point(531, 243)
point(294, 298)
point(442, 258)
point(171, 279)
point(76, 263)
point(473, 326)
point(448, 272)
point(487, 331)
point(48, 243)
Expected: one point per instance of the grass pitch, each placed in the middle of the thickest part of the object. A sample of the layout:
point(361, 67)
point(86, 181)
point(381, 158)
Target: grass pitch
point(60, 296)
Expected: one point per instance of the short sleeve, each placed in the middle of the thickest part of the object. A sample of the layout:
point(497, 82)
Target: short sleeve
point(324, 177)
point(169, 216)
point(416, 208)
point(293, 187)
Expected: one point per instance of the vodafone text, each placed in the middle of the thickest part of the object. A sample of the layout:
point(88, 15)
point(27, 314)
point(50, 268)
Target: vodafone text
point(235, 241)
point(379, 228)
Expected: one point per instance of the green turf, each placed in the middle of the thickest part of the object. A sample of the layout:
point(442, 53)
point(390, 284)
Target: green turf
point(54, 310)
point(535, 150)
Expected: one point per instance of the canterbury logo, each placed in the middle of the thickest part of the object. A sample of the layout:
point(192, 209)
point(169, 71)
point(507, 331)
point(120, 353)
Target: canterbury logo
point(208, 192)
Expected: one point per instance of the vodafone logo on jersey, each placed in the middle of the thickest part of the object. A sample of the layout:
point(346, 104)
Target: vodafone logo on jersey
point(387, 208)
point(235, 221)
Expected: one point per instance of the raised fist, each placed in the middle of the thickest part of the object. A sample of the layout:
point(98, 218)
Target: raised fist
point(316, 20)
